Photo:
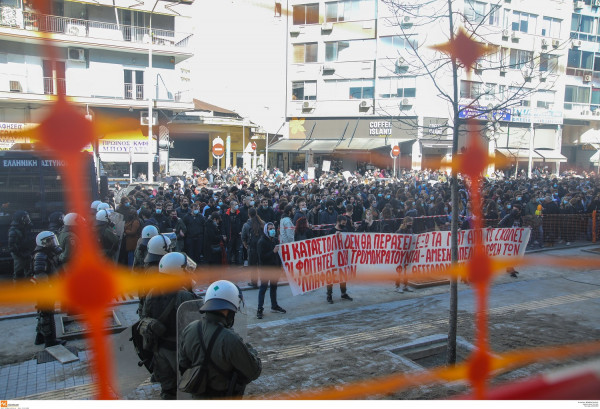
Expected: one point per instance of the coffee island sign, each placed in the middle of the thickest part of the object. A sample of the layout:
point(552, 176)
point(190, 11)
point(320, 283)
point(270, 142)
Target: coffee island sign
point(380, 128)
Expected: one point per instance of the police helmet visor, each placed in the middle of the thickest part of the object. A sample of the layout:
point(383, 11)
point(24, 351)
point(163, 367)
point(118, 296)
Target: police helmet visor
point(217, 304)
point(50, 241)
point(189, 265)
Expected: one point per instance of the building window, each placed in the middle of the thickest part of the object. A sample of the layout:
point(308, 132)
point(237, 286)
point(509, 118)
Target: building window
point(520, 93)
point(475, 12)
point(361, 89)
point(306, 14)
point(580, 59)
point(134, 84)
point(470, 89)
point(548, 63)
point(578, 95)
point(581, 23)
point(305, 52)
point(277, 9)
point(551, 27)
point(304, 90)
point(54, 77)
point(494, 16)
point(519, 58)
point(545, 98)
point(349, 10)
point(354, 50)
point(392, 45)
point(523, 22)
point(596, 96)
point(397, 87)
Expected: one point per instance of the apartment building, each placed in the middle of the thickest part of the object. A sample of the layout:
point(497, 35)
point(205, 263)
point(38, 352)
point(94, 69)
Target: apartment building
point(361, 76)
point(103, 66)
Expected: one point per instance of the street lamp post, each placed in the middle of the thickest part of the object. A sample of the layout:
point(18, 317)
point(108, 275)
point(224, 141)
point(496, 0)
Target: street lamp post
point(150, 100)
point(531, 136)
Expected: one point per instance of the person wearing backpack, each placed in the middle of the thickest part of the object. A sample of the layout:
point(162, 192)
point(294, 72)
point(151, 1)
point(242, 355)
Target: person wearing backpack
point(213, 360)
point(157, 325)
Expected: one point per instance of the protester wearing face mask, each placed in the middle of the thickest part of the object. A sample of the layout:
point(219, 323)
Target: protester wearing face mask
point(214, 250)
point(328, 216)
point(340, 227)
point(269, 261)
point(265, 211)
point(301, 210)
point(194, 236)
point(232, 228)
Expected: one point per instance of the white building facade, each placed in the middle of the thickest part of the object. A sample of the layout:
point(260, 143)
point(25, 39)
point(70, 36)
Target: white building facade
point(361, 76)
point(103, 66)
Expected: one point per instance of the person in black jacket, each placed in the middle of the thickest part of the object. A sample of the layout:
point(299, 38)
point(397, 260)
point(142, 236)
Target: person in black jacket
point(302, 231)
point(232, 228)
point(194, 233)
point(213, 239)
point(267, 249)
point(513, 219)
point(340, 227)
point(550, 220)
point(265, 211)
point(20, 244)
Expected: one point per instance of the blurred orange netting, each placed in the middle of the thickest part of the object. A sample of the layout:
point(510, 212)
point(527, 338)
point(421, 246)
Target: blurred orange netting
point(90, 281)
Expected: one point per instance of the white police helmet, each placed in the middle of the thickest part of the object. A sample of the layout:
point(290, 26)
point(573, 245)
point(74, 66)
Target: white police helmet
point(222, 295)
point(102, 216)
point(71, 219)
point(158, 246)
point(46, 239)
point(148, 232)
point(176, 263)
point(95, 204)
point(103, 206)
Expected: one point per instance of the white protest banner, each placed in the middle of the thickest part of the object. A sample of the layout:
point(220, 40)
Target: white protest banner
point(314, 263)
point(311, 173)
point(326, 165)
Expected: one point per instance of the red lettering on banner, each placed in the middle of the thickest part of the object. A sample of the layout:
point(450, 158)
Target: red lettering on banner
point(285, 253)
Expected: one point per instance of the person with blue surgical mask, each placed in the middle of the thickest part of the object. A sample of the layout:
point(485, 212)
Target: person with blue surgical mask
point(269, 261)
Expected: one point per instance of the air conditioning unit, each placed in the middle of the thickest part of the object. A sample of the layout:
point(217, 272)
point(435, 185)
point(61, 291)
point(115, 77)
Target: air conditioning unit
point(76, 30)
point(328, 68)
point(586, 112)
point(544, 42)
point(144, 118)
point(505, 33)
point(326, 26)
point(308, 105)
point(76, 54)
point(555, 43)
point(596, 112)
point(515, 35)
point(587, 78)
point(407, 20)
point(406, 102)
point(366, 104)
point(578, 5)
point(15, 86)
point(478, 67)
point(295, 31)
point(400, 62)
point(575, 43)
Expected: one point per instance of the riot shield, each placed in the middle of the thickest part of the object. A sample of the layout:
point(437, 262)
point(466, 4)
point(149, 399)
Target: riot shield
point(128, 373)
point(119, 228)
point(187, 313)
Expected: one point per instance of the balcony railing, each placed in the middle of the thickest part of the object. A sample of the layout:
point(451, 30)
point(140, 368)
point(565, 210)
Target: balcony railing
point(54, 86)
point(11, 17)
point(134, 91)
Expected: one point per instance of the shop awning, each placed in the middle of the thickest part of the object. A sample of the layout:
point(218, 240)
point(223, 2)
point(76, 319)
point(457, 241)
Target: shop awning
point(518, 153)
point(320, 146)
point(129, 135)
point(551, 155)
point(287, 145)
point(595, 156)
point(361, 144)
point(436, 143)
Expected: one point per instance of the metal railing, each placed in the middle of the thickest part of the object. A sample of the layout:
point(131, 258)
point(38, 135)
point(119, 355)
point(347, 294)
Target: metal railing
point(12, 17)
point(134, 91)
point(55, 86)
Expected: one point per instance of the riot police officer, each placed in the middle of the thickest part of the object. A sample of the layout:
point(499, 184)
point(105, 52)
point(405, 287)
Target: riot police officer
point(163, 307)
point(141, 249)
point(232, 364)
point(109, 241)
point(19, 244)
point(158, 246)
point(67, 239)
point(56, 222)
point(45, 263)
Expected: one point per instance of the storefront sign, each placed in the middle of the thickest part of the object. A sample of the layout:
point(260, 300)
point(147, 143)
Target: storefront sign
point(537, 116)
point(122, 146)
point(482, 113)
point(7, 131)
point(380, 128)
point(314, 263)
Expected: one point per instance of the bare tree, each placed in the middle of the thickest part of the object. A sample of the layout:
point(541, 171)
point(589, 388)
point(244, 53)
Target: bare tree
point(437, 21)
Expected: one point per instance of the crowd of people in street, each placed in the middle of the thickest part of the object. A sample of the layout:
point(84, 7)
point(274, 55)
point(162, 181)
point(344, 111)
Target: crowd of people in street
point(239, 217)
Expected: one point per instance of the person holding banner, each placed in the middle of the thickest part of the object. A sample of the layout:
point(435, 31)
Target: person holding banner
point(405, 228)
point(340, 227)
point(267, 249)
